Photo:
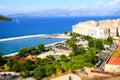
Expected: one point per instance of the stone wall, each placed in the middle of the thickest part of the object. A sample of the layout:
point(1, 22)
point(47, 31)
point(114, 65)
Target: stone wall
point(112, 68)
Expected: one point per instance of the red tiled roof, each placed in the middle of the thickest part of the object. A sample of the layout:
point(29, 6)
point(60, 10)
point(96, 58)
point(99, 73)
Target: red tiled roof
point(114, 60)
point(115, 57)
point(22, 59)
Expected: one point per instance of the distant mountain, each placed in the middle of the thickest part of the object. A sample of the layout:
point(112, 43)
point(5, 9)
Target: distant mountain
point(53, 12)
point(61, 12)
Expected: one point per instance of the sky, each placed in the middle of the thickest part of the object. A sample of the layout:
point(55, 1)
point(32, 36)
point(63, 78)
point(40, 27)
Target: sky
point(86, 7)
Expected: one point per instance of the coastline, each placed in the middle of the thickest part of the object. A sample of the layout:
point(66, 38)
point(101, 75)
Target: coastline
point(38, 35)
point(13, 54)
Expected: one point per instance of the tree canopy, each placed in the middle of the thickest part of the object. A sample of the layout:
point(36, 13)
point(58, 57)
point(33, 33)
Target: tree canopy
point(71, 43)
point(23, 52)
point(80, 50)
point(91, 43)
point(41, 47)
point(4, 18)
point(39, 72)
point(109, 40)
point(99, 44)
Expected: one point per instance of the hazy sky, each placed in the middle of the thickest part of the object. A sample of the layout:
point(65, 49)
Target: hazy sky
point(92, 7)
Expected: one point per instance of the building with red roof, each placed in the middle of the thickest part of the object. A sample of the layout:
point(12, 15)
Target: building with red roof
point(113, 62)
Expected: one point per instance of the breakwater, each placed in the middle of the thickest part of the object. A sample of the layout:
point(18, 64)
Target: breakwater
point(38, 35)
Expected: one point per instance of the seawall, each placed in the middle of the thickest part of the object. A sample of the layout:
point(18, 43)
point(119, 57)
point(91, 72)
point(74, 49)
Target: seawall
point(39, 35)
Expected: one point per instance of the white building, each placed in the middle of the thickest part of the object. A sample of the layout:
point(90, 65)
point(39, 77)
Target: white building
point(101, 29)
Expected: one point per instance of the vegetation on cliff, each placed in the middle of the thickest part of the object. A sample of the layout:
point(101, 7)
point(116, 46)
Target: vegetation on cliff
point(3, 18)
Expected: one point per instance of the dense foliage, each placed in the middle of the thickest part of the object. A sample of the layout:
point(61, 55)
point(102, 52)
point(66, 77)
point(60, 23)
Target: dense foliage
point(109, 40)
point(31, 50)
point(50, 65)
point(4, 18)
point(91, 43)
point(41, 47)
point(40, 68)
point(71, 44)
point(97, 43)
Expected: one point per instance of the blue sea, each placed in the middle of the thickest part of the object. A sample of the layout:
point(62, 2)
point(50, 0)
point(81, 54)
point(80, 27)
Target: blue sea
point(23, 26)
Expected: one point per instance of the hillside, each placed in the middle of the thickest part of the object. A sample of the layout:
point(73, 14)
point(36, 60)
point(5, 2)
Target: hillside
point(3, 18)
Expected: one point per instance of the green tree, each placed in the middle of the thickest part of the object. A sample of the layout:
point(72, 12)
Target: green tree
point(110, 40)
point(71, 44)
point(1, 59)
point(64, 66)
point(41, 47)
point(39, 72)
point(10, 64)
point(71, 55)
point(117, 34)
point(6, 67)
point(99, 44)
point(90, 56)
point(75, 66)
point(4, 18)
point(32, 50)
point(16, 67)
point(28, 65)
point(13, 65)
point(23, 52)
point(57, 66)
point(0, 56)
point(91, 43)
point(88, 37)
point(37, 61)
point(59, 70)
point(50, 70)
point(63, 57)
point(74, 36)
point(26, 73)
point(65, 32)
point(80, 50)
point(49, 59)
point(78, 61)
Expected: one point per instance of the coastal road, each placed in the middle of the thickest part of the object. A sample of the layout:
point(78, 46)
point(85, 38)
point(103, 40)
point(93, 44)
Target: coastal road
point(105, 55)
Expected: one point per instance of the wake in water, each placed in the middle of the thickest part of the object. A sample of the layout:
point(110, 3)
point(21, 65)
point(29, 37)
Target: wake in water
point(17, 21)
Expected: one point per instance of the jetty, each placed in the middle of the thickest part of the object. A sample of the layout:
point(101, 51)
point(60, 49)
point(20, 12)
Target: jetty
point(38, 35)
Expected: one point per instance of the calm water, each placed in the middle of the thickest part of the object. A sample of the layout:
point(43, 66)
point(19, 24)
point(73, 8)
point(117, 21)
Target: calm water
point(22, 26)
point(15, 45)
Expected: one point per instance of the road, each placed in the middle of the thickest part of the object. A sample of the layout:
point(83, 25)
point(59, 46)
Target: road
point(105, 54)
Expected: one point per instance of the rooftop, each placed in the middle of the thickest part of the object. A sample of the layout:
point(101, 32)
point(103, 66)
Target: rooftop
point(115, 57)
